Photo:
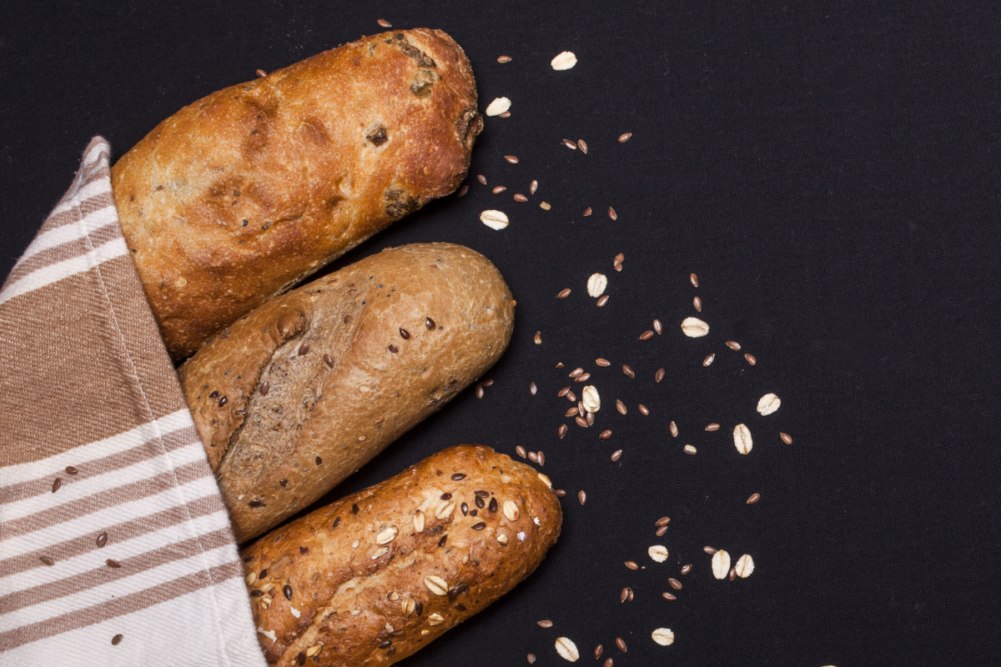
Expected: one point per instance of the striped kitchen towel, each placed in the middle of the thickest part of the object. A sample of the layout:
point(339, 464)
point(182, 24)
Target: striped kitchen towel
point(115, 546)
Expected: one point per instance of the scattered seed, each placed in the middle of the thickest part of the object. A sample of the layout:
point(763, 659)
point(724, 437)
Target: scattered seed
point(587, 211)
point(744, 567)
point(572, 397)
point(709, 550)
point(504, 59)
point(496, 108)
point(329, 361)
point(621, 644)
point(488, 383)
point(685, 569)
point(646, 335)
point(560, 493)
point(624, 137)
point(694, 327)
point(482, 179)
point(583, 378)
point(632, 565)
point(562, 430)
point(598, 650)
point(47, 561)
point(56, 484)
point(786, 438)
point(596, 284)
point(721, 564)
point(643, 410)
point(564, 61)
point(567, 649)
point(542, 462)
point(768, 404)
point(663, 521)
point(657, 553)
point(694, 279)
point(755, 497)
point(663, 636)
point(261, 73)
point(384, 23)
point(612, 214)
point(750, 359)
point(582, 145)
point(617, 454)
point(479, 391)
point(532, 187)
point(117, 639)
point(690, 449)
point(671, 597)
point(733, 345)
point(659, 375)
point(114, 564)
point(712, 427)
point(520, 198)
point(657, 327)
point(733, 573)
point(606, 434)
point(674, 430)
point(604, 363)
point(581, 422)
point(531, 658)
point(620, 406)
point(564, 293)
point(102, 539)
point(303, 349)
point(545, 623)
point(533, 457)
point(577, 372)
point(499, 189)
point(545, 206)
point(608, 663)
point(674, 583)
point(511, 159)
point(533, 389)
point(496, 220)
point(628, 371)
point(569, 144)
point(70, 470)
point(393, 349)
point(709, 360)
point(742, 439)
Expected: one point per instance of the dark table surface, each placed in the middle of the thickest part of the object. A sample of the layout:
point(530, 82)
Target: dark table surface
point(830, 171)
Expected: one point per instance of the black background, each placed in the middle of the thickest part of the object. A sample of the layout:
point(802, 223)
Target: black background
point(828, 169)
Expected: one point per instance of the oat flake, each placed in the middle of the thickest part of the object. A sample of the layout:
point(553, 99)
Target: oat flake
point(498, 106)
point(567, 649)
point(564, 61)
point(494, 219)
point(721, 564)
point(663, 636)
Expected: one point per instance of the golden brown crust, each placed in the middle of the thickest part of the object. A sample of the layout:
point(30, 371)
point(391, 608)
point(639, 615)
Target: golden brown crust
point(352, 591)
point(303, 391)
point(243, 193)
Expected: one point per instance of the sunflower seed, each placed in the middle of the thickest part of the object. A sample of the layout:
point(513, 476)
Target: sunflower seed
point(533, 389)
point(624, 137)
point(658, 553)
point(755, 497)
point(786, 438)
point(436, 585)
point(742, 439)
point(632, 565)
point(532, 187)
point(690, 450)
point(511, 512)
point(569, 144)
point(545, 624)
point(674, 430)
point(721, 564)
point(768, 404)
point(314, 650)
point(592, 402)
point(587, 211)
point(498, 106)
point(384, 23)
point(612, 214)
point(386, 536)
point(564, 61)
point(520, 198)
point(604, 363)
point(596, 284)
point(512, 159)
point(744, 567)
point(663, 521)
point(502, 539)
point(499, 189)
point(733, 345)
point(621, 644)
point(628, 371)
point(617, 454)
point(685, 569)
point(504, 59)
point(564, 293)
point(694, 279)
point(750, 359)
point(663, 636)
point(669, 596)
point(566, 648)
point(709, 360)
point(620, 406)
point(494, 219)
point(694, 327)
point(643, 410)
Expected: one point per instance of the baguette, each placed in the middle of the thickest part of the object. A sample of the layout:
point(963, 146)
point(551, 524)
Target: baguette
point(243, 193)
point(372, 578)
point(302, 392)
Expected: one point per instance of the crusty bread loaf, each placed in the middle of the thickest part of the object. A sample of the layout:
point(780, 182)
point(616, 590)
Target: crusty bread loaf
point(241, 194)
point(376, 576)
point(303, 391)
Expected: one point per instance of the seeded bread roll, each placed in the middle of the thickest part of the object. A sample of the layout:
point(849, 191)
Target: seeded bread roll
point(243, 193)
point(374, 577)
point(306, 389)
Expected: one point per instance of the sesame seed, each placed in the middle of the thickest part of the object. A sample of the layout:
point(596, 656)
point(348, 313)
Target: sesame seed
point(694, 280)
point(755, 497)
point(750, 359)
point(384, 23)
point(582, 145)
point(564, 293)
point(569, 144)
point(617, 454)
point(628, 371)
point(602, 362)
point(504, 59)
point(612, 214)
point(512, 159)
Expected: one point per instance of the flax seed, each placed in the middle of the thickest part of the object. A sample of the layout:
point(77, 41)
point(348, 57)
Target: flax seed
point(533, 457)
point(709, 550)
point(532, 187)
point(520, 451)
point(750, 359)
point(661, 531)
point(602, 300)
point(624, 137)
point(462, 192)
point(612, 214)
point(690, 450)
point(512, 159)
point(733, 345)
point(598, 650)
point(56, 484)
point(643, 410)
point(102, 539)
point(709, 359)
point(685, 569)
point(582, 497)
point(675, 584)
point(604, 363)
point(632, 565)
point(674, 430)
point(479, 391)
point(697, 302)
point(564, 293)
point(499, 189)
point(628, 371)
point(694, 279)
point(755, 497)
point(605, 435)
point(786, 438)
point(533, 389)
point(506, 114)
point(616, 455)
point(545, 623)
point(657, 327)
point(621, 644)
point(482, 179)
point(504, 59)
point(47, 561)
point(384, 23)
point(117, 639)
point(624, 595)
point(581, 421)
point(70, 470)
point(659, 375)
point(669, 596)
point(112, 563)
point(569, 144)
point(620, 406)
point(587, 211)
point(646, 335)
point(582, 145)
point(520, 198)
point(712, 427)
point(329, 361)
point(562, 431)
point(542, 462)
point(563, 392)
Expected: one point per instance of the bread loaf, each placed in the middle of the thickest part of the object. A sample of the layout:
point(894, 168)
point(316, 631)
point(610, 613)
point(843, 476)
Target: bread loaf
point(241, 194)
point(303, 391)
point(374, 577)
